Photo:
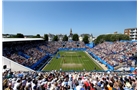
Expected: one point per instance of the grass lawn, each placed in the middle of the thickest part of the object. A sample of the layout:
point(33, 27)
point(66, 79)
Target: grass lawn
point(72, 60)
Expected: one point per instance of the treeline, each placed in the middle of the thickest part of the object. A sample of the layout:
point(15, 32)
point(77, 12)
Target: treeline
point(75, 37)
point(111, 38)
point(19, 35)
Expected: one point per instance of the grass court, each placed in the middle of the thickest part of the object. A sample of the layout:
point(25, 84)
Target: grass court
point(72, 60)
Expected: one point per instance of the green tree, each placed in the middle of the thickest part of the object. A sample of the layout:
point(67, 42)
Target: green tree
point(55, 38)
point(99, 39)
point(117, 37)
point(111, 37)
point(126, 37)
point(65, 38)
point(123, 37)
point(107, 37)
point(38, 36)
point(19, 35)
point(85, 39)
point(75, 37)
point(46, 37)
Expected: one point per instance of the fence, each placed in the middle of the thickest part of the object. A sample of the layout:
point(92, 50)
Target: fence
point(72, 49)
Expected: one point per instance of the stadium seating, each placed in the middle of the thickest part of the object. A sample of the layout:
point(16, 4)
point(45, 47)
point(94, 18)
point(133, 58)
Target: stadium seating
point(32, 53)
point(116, 52)
point(57, 80)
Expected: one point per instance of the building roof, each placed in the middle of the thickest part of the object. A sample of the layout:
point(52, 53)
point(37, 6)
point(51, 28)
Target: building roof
point(130, 28)
point(82, 35)
point(51, 35)
point(20, 39)
point(60, 36)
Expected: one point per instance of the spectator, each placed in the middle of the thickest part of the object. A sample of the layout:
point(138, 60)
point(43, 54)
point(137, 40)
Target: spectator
point(70, 80)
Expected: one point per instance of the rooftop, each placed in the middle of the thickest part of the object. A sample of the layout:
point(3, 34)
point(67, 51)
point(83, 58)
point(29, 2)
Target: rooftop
point(130, 28)
point(20, 39)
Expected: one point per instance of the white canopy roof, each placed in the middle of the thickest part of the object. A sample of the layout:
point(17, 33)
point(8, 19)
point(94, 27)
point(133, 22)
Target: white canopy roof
point(20, 39)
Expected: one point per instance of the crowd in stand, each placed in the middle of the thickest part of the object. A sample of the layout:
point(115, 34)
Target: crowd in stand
point(116, 52)
point(34, 53)
point(17, 58)
point(12, 49)
point(57, 80)
point(35, 50)
point(113, 53)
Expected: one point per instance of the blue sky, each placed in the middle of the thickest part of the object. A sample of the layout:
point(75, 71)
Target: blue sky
point(57, 17)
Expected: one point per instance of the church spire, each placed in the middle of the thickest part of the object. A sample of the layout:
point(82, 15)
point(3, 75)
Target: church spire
point(70, 31)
